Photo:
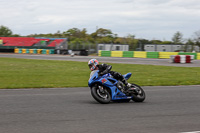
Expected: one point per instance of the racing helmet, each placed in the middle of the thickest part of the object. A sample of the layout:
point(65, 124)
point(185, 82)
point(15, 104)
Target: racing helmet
point(93, 64)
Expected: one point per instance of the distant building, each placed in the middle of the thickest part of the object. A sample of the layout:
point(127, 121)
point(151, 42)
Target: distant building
point(170, 47)
point(113, 47)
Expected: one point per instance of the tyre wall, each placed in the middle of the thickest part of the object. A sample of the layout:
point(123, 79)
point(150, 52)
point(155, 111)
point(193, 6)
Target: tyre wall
point(34, 51)
point(143, 54)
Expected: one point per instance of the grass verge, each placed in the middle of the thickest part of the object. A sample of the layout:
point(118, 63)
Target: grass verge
point(28, 73)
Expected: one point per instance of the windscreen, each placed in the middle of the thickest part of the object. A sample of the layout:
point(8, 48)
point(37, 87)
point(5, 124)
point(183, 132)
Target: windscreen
point(92, 73)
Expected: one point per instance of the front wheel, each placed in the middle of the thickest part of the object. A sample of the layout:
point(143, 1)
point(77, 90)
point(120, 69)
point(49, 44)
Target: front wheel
point(139, 94)
point(100, 94)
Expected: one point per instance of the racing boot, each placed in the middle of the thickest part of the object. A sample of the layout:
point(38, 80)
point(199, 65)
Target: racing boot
point(127, 85)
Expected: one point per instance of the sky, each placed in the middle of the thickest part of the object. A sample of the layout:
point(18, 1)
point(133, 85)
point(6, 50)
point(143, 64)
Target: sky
point(146, 19)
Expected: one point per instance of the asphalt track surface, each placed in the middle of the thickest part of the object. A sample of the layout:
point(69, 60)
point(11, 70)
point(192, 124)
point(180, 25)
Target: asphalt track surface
point(167, 109)
point(145, 61)
point(73, 110)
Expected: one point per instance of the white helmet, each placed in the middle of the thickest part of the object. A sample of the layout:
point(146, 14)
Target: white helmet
point(93, 64)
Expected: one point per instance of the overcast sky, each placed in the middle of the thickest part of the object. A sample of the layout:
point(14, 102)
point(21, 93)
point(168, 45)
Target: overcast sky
point(148, 19)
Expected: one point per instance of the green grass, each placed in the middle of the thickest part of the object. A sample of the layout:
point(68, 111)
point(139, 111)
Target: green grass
point(28, 73)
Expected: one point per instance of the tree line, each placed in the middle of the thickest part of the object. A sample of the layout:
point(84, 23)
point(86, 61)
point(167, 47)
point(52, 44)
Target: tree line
point(80, 37)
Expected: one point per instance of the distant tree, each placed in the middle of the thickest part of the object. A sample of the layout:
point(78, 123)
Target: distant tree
point(119, 40)
point(77, 38)
point(131, 41)
point(145, 41)
point(15, 35)
point(197, 38)
point(155, 42)
point(83, 33)
point(177, 38)
point(104, 32)
point(102, 35)
point(49, 35)
point(58, 34)
point(166, 42)
point(105, 40)
point(142, 42)
point(74, 33)
point(189, 43)
point(5, 31)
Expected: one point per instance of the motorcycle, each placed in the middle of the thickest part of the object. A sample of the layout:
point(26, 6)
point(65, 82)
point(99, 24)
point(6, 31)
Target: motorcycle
point(105, 89)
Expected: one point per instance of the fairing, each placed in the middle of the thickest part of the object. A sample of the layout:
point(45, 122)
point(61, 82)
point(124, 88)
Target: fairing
point(109, 82)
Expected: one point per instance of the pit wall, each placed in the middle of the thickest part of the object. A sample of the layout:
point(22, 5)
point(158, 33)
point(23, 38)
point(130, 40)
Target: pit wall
point(142, 54)
point(34, 51)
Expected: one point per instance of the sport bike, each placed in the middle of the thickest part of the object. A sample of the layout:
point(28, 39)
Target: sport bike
point(105, 89)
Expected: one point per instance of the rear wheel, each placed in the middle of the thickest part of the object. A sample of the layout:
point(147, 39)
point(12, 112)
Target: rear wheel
point(100, 94)
point(138, 93)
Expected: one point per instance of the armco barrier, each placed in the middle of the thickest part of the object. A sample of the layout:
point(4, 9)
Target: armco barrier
point(33, 51)
point(39, 51)
point(20, 51)
point(188, 58)
point(142, 54)
point(23, 51)
point(27, 51)
point(152, 54)
point(138, 54)
point(106, 53)
point(187, 53)
point(167, 54)
point(198, 56)
point(116, 53)
point(44, 51)
point(99, 53)
point(16, 50)
point(128, 53)
point(51, 51)
point(181, 58)
point(47, 51)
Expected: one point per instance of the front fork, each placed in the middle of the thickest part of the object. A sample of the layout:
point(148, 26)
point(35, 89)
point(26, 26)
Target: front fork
point(136, 89)
point(101, 89)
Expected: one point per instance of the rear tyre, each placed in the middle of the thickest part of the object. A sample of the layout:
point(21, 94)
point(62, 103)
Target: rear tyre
point(139, 94)
point(100, 94)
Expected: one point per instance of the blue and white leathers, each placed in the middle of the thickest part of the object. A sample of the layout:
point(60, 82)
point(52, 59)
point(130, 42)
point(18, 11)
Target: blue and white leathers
point(108, 81)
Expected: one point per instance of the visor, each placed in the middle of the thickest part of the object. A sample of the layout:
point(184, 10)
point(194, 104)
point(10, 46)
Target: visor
point(90, 65)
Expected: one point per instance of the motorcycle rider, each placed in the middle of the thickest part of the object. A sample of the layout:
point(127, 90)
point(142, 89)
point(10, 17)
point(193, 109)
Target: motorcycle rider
point(104, 69)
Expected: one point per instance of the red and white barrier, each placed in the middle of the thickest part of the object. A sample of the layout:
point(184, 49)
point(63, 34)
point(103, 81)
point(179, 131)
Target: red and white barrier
point(182, 58)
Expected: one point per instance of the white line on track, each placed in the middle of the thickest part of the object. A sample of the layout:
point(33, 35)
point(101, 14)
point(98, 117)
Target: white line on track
point(192, 132)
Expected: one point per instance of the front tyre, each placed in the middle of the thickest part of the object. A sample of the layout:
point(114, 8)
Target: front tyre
point(100, 94)
point(139, 94)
